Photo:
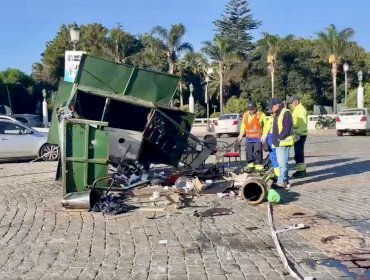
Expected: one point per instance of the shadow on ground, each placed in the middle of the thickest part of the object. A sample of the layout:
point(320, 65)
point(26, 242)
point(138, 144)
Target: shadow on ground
point(336, 172)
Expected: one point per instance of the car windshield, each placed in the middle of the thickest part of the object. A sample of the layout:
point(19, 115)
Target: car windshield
point(353, 113)
point(22, 120)
point(228, 117)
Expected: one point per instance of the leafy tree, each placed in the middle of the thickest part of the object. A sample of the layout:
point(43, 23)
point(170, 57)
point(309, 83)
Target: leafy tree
point(199, 110)
point(93, 40)
point(21, 90)
point(222, 52)
point(236, 23)
point(123, 45)
point(151, 56)
point(352, 97)
point(193, 63)
point(172, 42)
point(333, 45)
point(236, 105)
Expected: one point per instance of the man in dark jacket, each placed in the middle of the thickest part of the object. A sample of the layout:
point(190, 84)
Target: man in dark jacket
point(282, 139)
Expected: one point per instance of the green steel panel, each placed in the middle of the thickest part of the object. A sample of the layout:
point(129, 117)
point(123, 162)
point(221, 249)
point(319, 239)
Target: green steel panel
point(64, 92)
point(85, 153)
point(126, 80)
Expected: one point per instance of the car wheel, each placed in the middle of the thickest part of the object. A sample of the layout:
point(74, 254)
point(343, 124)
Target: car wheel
point(49, 152)
point(339, 133)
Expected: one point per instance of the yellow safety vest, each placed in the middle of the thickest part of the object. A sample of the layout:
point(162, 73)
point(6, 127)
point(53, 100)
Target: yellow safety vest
point(299, 115)
point(267, 128)
point(289, 140)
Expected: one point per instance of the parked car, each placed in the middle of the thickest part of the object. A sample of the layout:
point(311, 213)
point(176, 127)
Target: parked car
point(353, 121)
point(228, 124)
point(20, 141)
point(30, 120)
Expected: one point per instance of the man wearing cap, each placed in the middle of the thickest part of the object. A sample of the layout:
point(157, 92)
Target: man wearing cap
point(282, 139)
point(252, 128)
point(300, 130)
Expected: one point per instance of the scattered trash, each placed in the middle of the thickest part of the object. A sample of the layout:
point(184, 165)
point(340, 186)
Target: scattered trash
point(162, 242)
point(111, 204)
point(155, 195)
point(80, 200)
point(185, 184)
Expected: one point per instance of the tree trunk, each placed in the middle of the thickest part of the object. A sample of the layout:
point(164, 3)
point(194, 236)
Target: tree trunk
point(272, 81)
point(181, 97)
point(221, 65)
point(171, 63)
point(334, 73)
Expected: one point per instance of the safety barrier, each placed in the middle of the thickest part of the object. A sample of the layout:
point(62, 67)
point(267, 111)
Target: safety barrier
point(200, 124)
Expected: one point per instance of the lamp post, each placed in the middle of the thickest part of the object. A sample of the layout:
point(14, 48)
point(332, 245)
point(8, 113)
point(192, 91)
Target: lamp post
point(360, 91)
point(45, 120)
point(345, 69)
point(209, 73)
point(191, 99)
point(74, 33)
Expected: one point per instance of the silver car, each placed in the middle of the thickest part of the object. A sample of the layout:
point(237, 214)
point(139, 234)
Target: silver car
point(20, 141)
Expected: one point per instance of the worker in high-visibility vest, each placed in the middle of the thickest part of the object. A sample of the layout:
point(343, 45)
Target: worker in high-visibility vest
point(252, 127)
point(300, 132)
point(282, 139)
point(267, 141)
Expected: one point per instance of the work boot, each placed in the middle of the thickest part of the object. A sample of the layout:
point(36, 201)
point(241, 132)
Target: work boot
point(250, 169)
point(299, 174)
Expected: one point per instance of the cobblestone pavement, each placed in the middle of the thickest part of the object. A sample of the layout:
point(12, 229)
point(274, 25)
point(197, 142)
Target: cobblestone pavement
point(38, 240)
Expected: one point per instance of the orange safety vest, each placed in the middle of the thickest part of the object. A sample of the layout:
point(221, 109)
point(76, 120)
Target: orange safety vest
point(253, 127)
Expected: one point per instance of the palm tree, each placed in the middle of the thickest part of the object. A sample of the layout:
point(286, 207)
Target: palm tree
point(223, 53)
point(333, 45)
point(272, 45)
point(151, 56)
point(172, 40)
point(192, 63)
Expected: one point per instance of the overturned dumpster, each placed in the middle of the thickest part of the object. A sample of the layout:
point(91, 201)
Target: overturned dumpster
point(121, 115)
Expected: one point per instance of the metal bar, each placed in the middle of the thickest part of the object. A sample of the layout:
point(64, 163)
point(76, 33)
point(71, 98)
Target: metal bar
point(105, 111)
point(88, 122)
point(86, 154)
point(63, 154)
point(278, 246)
point(129, 81)
point(101, 161)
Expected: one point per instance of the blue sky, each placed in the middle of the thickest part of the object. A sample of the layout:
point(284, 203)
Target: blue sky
point(26, 25)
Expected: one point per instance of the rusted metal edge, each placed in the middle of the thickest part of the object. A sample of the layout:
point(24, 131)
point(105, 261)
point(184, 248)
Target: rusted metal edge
point(278, 245)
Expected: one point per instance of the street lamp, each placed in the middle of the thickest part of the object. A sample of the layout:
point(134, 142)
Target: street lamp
point(45, 120)
point(345, 69)
point(360, 77)
point(214, 108)
point(191, 99)
point(360, 91)
point(209, 73)
point(74, 33)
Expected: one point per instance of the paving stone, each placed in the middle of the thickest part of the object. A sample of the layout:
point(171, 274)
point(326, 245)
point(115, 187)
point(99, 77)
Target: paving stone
point(40, 241)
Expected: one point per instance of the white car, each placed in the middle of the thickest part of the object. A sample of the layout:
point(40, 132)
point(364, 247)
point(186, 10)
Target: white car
point(353, 121)
point(20, 141)
point(228, 124)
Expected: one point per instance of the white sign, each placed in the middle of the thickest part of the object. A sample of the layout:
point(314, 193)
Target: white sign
point(72, 61)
